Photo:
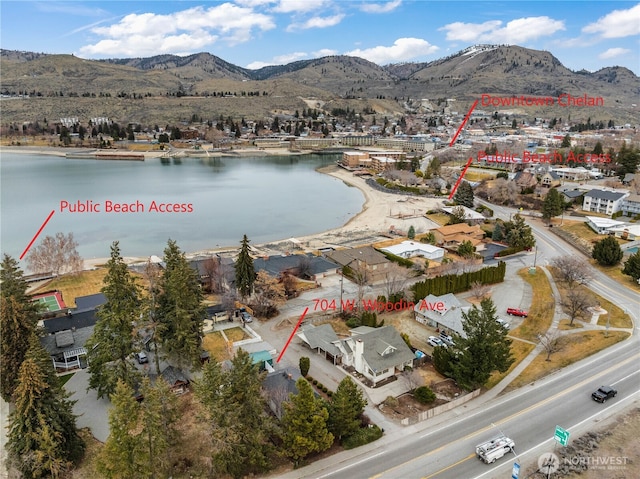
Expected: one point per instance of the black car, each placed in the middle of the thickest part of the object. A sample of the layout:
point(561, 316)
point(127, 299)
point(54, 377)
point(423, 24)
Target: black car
point(603, 393)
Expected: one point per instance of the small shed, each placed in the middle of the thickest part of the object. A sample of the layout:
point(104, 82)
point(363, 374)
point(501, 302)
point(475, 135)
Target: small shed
point(264, 359)
point(176, 379)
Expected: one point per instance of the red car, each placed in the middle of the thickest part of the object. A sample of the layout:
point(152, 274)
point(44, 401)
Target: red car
point(517, 312)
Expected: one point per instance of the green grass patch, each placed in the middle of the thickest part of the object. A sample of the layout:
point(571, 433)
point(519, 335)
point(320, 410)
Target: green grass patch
point(65, 378)
point(73, 286)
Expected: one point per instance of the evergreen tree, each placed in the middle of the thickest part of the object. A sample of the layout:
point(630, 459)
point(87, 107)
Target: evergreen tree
point(180, 309)
point(119, 458)
point(497, 232)
point(519, 234)
point(485, 349)
point(464, 195)
point(632, 266)
point(42, 439)
point(304, 363)
point(245, 274)
point(18, 320)
point(240, 427)
point(304, 424)
point(566, 141)
point(112, 342)
point(346, 406)
point(552, 205)
point(466, 249)
point(411, 234)
point(607, 252)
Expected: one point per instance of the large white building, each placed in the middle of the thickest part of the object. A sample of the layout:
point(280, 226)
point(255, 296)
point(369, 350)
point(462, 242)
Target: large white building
point(604, 202)
point(409, 249)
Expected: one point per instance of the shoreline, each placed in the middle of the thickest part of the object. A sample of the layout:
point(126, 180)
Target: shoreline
point(380, 213)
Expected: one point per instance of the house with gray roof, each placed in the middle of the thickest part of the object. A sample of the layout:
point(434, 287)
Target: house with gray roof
point(376, 353)
point(322, 339)
point(447, 317)
point(603, 201)
point(309, 265)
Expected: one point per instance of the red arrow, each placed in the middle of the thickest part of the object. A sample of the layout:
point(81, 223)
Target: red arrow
point(453, 191)
point(466, 118)
point(291, 336)
point(38, 233)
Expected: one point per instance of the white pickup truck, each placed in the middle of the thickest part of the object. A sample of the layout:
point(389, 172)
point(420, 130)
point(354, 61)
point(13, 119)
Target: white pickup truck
point(494, 449)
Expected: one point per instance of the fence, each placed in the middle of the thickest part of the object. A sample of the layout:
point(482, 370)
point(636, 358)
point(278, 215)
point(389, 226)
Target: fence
point(440, 409)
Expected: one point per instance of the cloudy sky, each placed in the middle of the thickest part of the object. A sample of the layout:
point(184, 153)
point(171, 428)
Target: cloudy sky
point(255, 33)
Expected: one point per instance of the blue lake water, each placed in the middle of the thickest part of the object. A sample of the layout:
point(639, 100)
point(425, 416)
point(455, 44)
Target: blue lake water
point(266, 198)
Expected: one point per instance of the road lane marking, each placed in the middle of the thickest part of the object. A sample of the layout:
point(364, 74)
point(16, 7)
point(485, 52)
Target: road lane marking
point(451, 466)
point(500, 422)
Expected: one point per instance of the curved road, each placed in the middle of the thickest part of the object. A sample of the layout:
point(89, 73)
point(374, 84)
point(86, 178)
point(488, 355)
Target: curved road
point(444, 446)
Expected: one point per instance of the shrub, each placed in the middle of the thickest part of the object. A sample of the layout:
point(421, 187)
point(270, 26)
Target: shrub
point(424, 395)
point(330, 393)
point(309, 379)
point(390, 401)
point(324, 389)
point(320, 386)
point(353, 322)
point(315, 381)
point(305, 364)
point(362, 437)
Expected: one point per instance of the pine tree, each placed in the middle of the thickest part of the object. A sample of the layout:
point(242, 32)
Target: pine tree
point(411, 234)
point(632, 266)
point(346, 406)
point(181, 311)
point(519, 234)
point(304, 424)
point(607, 252)
point(119, 458)
point(245, 273)
point(240, 428)
point(497, 232)
point(485, 349)
point(42, 439)
point(112, 342)
point(464, 195)
point(552, 205)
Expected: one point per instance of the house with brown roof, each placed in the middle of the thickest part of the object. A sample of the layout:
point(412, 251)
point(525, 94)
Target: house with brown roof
point(451, 236)
point(366, 260)
point(525, 179)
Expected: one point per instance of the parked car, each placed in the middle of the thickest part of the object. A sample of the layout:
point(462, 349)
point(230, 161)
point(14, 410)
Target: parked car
point(246, 317)
point(141, 357)
point(603, 393)
point(517, 312)
point(446, 338)
point(435, 341)
point(503, 322)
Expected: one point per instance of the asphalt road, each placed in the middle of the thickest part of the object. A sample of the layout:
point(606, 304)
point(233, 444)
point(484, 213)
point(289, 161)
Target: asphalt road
point(445, 446)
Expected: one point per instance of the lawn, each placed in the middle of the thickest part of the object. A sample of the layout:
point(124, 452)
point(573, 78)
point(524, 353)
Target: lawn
point(75, 285)
point(574, 347)
point(216, 345)
point(440, 218)
point(615, 273)
point(519, 351)
point(542, 306)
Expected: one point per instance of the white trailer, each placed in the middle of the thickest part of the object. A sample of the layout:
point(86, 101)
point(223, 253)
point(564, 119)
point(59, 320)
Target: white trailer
point(494, 449)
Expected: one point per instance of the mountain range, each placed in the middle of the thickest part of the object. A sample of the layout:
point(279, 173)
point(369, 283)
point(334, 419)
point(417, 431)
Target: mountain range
point(166, 87)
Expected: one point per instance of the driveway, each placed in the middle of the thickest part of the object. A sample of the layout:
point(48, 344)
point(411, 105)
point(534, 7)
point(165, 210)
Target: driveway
point(92, 412)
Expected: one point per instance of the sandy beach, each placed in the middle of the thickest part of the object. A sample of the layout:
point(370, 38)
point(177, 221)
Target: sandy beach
point(381, 213)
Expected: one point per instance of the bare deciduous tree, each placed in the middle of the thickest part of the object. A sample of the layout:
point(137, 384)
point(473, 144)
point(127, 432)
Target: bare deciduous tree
point(56, 255)
point(479, 290)
point(576, 304)
point(360, 276)
point(218, 274)
point(229, 300)
point(550, 341)
point(303, 268)
point(572, 270)
point(411, 378)
point(395, 280)
point(268, 295)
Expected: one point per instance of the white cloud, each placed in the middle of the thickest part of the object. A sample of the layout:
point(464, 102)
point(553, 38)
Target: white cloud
point(324, 52)
point(300, 6)
point(613, 52)
point(516, 31)
point(380, 7)
point(617, 24)
point(403, 49)
point(289, 57)
point(316, 22)
point(186, 30)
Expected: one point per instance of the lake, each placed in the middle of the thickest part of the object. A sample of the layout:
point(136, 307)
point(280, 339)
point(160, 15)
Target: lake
point(218, 201)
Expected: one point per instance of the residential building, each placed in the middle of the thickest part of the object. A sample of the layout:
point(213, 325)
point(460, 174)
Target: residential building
point(630, 205)
point(447, 319)
point(602, 225)
point(626, 232)
point(470, 216)
point(410, 249)
point(364, 260)
point(525, 179)
point(315, 267)
point(550, 179)
point(355, 159)
point(451, 236)
point(603, 201)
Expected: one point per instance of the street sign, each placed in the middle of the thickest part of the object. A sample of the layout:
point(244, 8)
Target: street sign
point(561, 435)
point(515, 471)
